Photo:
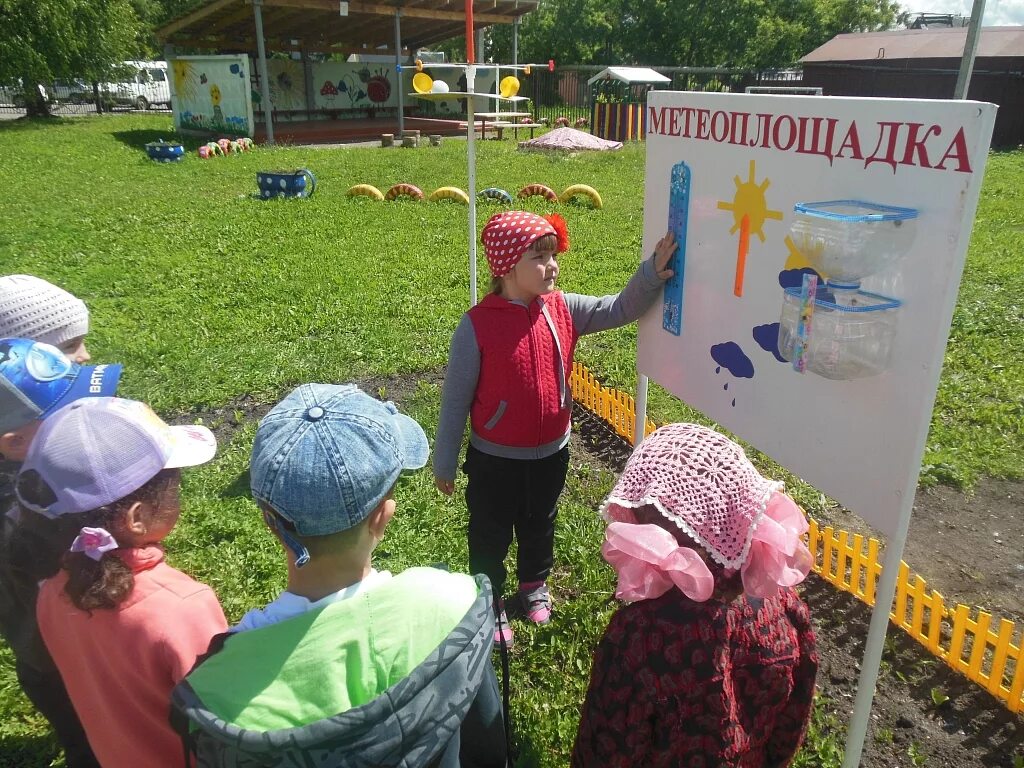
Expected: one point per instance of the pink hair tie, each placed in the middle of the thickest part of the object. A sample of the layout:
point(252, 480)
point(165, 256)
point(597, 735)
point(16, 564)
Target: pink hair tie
point(650, 562)
point(94, 542)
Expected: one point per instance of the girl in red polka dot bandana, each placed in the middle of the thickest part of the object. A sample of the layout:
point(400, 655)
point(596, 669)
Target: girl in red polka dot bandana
point(509, 236)
point(508, 373)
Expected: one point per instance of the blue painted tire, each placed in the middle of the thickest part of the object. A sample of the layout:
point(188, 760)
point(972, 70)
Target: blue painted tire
point(495, 193)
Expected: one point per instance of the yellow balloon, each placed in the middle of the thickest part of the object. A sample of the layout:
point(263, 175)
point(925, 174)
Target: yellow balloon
point(422, 82)
point(509, 86)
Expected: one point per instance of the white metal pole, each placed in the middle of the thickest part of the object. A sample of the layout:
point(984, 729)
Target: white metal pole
point(515, 40)
point(963, 80)
point(261, 49)
point(471, 151)
point(640, 416)
point(398, 69)
point(877, 629)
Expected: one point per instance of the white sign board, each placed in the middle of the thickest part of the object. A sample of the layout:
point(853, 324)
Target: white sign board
point(836, 382)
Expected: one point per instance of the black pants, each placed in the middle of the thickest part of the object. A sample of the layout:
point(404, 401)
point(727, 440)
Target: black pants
point(507, 496)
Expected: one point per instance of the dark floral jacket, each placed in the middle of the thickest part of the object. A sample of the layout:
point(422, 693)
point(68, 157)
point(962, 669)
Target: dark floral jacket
point(700, 685)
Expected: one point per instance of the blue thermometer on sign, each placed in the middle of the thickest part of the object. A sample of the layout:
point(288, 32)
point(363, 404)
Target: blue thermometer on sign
point(678, 211)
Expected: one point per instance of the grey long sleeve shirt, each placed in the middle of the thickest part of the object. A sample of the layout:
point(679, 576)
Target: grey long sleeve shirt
point(590, 314)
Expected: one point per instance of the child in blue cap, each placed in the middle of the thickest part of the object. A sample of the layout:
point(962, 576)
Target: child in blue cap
point(348, 660)
point(37, 380)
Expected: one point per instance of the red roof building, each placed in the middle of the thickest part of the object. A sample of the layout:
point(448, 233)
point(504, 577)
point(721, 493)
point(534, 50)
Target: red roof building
point(923, 64)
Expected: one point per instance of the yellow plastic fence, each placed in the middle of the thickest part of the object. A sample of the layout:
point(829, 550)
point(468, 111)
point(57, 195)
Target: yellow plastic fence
point(970, 645)
point(616, 408)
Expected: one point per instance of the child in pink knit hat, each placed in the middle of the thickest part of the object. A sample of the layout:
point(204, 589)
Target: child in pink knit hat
point(713, 661)
point(508, 373)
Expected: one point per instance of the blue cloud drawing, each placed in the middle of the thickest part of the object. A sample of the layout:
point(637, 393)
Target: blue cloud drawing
point(728, 355)
point(767, 337)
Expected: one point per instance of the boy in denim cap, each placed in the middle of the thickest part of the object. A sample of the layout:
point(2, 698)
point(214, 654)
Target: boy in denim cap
point(350, 665)
point(36, 380)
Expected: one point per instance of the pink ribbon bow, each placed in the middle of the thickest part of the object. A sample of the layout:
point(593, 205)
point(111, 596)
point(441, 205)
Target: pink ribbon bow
point(778, 556)
point(650, 561)
point(94, 542)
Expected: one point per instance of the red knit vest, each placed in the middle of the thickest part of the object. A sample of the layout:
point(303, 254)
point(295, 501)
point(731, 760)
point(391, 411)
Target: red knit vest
point(521, 400)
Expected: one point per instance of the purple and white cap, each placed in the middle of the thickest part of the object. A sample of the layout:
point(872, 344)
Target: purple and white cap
point(96, 451)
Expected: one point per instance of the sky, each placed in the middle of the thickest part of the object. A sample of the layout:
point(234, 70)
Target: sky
point(998, 13)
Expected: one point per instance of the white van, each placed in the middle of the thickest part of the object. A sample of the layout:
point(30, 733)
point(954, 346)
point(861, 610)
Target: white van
point(146, 84)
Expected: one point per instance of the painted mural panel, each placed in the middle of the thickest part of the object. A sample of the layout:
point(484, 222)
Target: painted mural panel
point(212, 93)
point(369, 86)
point(287, 84)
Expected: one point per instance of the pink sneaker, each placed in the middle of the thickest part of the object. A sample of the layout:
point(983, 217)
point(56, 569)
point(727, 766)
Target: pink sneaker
point(502, 629)
point(535, 603)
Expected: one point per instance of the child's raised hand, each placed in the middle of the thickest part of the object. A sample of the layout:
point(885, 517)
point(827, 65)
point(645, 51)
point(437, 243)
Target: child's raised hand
point(662, 254)
point(447, 487)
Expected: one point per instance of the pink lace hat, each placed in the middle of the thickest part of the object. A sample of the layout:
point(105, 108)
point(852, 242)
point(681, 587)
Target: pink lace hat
point(704, 484)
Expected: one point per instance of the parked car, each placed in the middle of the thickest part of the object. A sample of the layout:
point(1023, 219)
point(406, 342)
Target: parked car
point(14, 95)
point(72, 91)
point(145, 84)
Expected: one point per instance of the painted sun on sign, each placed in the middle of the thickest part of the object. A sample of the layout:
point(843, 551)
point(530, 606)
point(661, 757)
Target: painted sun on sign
point(185, 80)
point(750, 210)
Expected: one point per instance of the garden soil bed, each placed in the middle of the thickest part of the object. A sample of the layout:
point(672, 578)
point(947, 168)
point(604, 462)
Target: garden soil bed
point(969, 547)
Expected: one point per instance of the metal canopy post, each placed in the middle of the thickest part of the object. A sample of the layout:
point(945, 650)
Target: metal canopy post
point(398, 70)
point(963, 80)
point(515, 40)
point(169, 51)
point(261, 49)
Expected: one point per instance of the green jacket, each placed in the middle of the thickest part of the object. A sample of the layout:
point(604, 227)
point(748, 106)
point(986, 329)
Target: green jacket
point(399, 675)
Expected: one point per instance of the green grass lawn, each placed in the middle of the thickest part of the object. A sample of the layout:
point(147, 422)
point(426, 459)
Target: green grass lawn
point(208, 295)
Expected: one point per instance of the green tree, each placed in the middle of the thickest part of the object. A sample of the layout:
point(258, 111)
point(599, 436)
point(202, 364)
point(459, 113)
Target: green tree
point(569, 31)
point(695, 33)
point(42, 40)
point(152, 15)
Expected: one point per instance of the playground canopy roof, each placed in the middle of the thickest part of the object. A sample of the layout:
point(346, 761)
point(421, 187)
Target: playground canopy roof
point(320, 26)
point(629, 75)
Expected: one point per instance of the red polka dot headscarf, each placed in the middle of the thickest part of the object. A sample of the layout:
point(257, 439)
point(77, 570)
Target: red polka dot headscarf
point(508, 235)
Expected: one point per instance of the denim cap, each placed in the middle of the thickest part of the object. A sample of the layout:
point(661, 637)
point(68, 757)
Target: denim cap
point(36, 379)
point(326, 456)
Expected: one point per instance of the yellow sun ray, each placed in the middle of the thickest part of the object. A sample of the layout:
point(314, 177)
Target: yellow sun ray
point(750, 210)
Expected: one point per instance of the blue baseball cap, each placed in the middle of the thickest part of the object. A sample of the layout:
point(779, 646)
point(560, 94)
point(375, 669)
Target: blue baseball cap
point(328, 454)
point(36, 379)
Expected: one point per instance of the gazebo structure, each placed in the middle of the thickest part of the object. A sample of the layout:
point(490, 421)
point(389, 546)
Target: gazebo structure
point(309, 99)
point(617, 98)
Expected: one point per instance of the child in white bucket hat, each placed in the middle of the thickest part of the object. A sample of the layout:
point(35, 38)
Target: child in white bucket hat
point(123, 627)
point(713, 662)
point(35, 309)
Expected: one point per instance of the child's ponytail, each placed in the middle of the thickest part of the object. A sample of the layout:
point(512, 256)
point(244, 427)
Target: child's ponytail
point(97, 576)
